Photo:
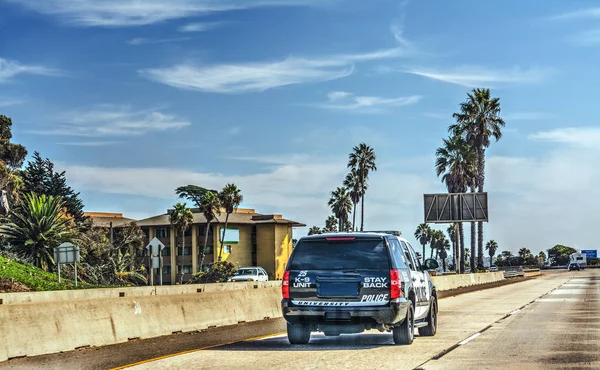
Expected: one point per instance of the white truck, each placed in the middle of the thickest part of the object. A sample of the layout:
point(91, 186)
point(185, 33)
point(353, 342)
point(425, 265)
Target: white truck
point(578, 258)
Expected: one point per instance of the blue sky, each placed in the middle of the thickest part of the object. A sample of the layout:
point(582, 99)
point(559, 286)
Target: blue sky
point(133, 99)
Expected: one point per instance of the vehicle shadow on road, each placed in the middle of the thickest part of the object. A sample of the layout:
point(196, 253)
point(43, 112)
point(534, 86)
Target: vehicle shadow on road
point(318, 342)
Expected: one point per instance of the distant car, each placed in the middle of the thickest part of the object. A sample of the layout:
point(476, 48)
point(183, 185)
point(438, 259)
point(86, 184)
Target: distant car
point(574, 266)
point(249, 274)
point(493, 268)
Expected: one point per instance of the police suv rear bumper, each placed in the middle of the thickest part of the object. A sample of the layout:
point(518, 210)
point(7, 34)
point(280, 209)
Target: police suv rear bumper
point(390, 314)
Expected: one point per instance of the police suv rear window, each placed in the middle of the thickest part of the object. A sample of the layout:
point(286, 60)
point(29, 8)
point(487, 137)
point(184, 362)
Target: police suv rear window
point(336, 255)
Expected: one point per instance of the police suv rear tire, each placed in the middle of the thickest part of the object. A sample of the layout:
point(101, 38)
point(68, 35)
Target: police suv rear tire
point(431, 328)
point(404, 334)
point(298, 334)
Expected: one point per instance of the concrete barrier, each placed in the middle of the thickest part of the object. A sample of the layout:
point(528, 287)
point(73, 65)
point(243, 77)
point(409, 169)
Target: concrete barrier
point(83, 294)
point(33, 329)
point(48, 322)
point(449, 282)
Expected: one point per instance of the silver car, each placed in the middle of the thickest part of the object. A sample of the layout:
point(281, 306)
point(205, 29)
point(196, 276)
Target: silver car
point(250, 274)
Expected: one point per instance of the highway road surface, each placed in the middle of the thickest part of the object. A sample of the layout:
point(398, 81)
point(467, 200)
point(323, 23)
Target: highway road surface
point(549, 322)
point(552, 322)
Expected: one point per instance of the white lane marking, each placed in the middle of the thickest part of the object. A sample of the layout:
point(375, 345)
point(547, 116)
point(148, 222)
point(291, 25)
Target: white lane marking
point(515, 311)
point(469, 339)
point(551, 300)
point(569, 291)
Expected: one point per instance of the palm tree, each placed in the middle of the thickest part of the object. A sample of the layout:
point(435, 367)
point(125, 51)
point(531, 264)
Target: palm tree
point(352, 182)
point(436, 237)
point(36, 227)
point(451, 230)
point(479, 120)
point(231, 198)
point(456, 162)
point(330, 224)
point(423, 235)
point(362, 159)
point(341, 206)
point(211, 207)
point(443, 246)
point(314, 230)
point(181, 218)
point(491, 247)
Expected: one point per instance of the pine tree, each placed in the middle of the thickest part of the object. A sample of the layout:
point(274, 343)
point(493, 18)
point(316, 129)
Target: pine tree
point(40, 178)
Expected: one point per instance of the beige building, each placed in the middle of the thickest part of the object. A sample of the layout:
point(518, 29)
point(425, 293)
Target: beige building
point(251, 239)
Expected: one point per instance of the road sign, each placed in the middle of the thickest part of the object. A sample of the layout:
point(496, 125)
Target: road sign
point(66, 253)
point(155, 246)
point(590, 253)
point(456, 207)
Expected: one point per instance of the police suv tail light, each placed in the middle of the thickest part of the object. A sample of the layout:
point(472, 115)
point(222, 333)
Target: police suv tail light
point(395, 287)
point(285, 285)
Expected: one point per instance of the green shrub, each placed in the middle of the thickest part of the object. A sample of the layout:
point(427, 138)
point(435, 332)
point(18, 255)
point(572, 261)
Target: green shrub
point(219, 272)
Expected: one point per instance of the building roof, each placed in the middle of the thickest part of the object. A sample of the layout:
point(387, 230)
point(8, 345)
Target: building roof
point(243, 216)
point(104, 219)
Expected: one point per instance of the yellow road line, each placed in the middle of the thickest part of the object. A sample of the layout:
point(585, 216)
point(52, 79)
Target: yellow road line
point(195, 350)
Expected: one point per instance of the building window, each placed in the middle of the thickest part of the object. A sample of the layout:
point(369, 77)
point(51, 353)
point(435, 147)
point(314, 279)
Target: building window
point(185, 269)
point(227, 249)
point(163, 232)
point(186, 251)
point(166, 270)
point(146, 232)
point(166, 252)
point(208, 249)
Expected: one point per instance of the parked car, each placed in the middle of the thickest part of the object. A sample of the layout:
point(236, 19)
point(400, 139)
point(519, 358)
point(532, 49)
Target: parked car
point(349, 283)
point(493, 268)
point(249, 274)
point(574, 267)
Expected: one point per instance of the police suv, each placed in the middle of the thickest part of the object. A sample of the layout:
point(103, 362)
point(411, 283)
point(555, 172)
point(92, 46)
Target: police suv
point(349, 283)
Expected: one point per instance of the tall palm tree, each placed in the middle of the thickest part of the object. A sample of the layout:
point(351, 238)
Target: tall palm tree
point(456, 163)
point(352, 182)
point(181, 218)
point(479, 120)
point(231, 197)
point(453, 235)
point(437, 237)
point(443, 246)
point(330, 224)
point(36, 227)
point(423, 235)
point(341, 206)
point(314, 230)
point(491, 247)
point(211, 207)
point(362, 159)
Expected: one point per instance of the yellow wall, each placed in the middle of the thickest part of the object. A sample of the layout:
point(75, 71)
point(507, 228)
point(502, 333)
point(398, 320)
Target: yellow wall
point(265, 256)
point(241, 253)
point(283, 248)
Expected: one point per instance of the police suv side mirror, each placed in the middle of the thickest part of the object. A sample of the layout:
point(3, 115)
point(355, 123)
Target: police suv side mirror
point(430, 264)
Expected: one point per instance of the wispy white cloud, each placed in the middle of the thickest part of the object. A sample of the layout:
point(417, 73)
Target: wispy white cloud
point(10, 102)
point(144, 41)
point(88, 143)
point(122, 13)
point(112, 120)
point(586, 38)
point(199, 26)
point(261, 76)
point(10, 68)
point(589, 13)
point(470, 76)
point(345, 101)
point(584, 137)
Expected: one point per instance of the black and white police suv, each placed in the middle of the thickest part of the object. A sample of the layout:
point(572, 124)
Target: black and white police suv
point(349, 283)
